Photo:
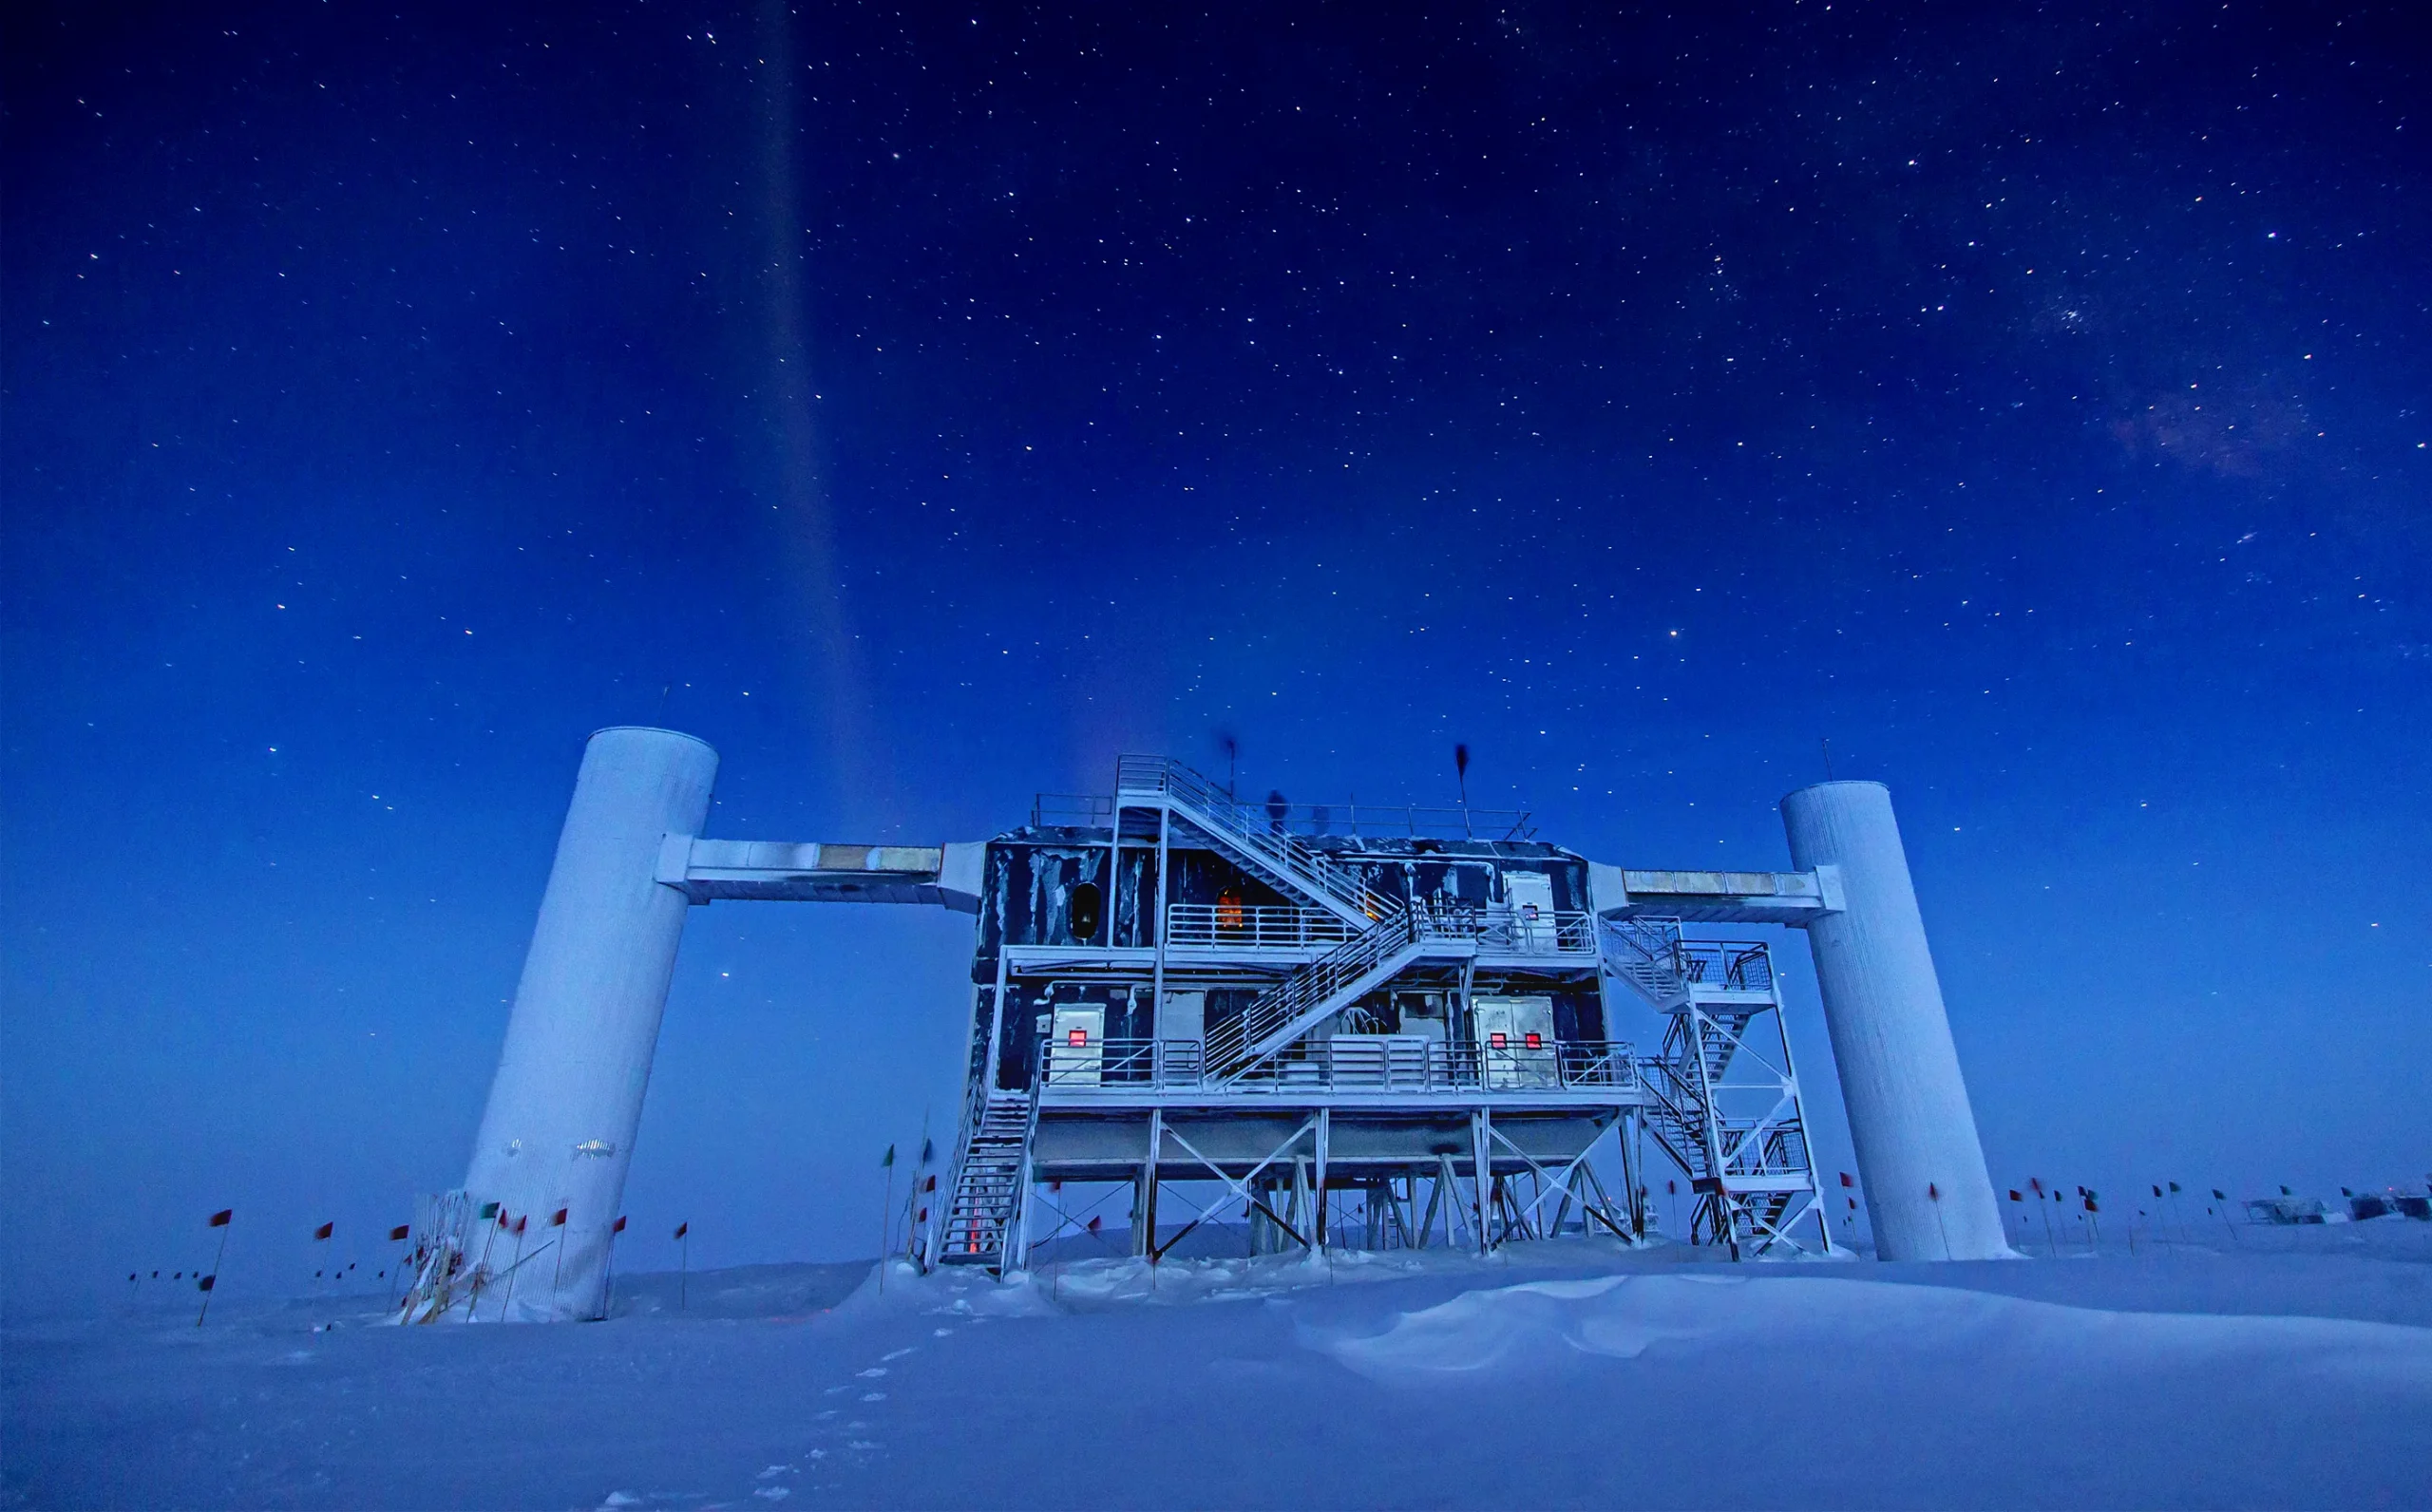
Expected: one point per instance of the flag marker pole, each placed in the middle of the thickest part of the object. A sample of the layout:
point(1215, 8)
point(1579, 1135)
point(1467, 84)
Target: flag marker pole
point(559, 1267)
point(507, 1300)
point(222, 1220)
point(885, 1213)
point(404, 1234)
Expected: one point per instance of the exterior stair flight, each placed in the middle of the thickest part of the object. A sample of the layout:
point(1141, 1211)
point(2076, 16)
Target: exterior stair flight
point(1742, 1145)
point(1280, 857)
point(988, 1185)
point(1302, 1001)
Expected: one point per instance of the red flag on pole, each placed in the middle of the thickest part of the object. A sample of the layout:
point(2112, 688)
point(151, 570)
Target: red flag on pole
point(2017, 1195)
point(518, 1223)
point(400, 1231)
point(325, 1231)
point(220, 1220)
point(1845, 1179)
point(1934, 1192)
point(683, 1228)
point(557, 1218)
point(617, 1227)
point(205, 1283)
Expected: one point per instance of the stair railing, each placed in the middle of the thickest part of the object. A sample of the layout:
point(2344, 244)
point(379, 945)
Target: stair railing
point(1249, 830)
point(1237, 1038)
point(975, 1113)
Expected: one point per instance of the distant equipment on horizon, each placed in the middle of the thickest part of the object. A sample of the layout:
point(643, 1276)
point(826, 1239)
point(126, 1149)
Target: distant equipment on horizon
point(1308, 1016)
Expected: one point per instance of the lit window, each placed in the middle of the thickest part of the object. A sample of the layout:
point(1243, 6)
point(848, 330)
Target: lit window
point(1499, 1040)
point(1536, 1042)
point(1077, 1037)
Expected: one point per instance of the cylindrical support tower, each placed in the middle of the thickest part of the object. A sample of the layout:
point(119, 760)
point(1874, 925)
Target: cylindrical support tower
point(1928, 1194)
point(562, 1113)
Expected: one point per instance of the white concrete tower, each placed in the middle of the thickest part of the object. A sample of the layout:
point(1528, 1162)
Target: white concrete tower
point(559, 1131)
point(1928, 1194)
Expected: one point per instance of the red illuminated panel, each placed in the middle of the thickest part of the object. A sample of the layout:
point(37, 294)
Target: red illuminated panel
point(1498, 1041)
point(1536, 1042)
point(1077, 1037)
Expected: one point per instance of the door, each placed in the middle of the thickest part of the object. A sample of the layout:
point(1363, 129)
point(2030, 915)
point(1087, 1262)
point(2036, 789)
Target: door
point(1515, 1039)
point(1530, 895)
point(1076, 1046)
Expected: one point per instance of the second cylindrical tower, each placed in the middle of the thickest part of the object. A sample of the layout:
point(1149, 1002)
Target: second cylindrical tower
point(1927, 1194)
point(559, 1131)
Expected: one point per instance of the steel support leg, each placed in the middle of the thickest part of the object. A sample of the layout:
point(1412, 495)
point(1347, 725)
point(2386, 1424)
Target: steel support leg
point(1482, 1184)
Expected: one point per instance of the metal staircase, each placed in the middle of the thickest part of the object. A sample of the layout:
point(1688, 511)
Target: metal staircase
point(1741, 1140)
point(1274, 1019)
point(988, 1180)
point(1390, 936)
point(1280, 857)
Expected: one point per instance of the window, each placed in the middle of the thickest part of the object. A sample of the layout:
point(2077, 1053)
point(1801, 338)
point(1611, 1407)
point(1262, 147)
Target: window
point(1084, 911)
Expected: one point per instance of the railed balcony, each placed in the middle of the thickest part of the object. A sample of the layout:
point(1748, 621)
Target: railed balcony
point(1285, 933)
point(1083, 1071)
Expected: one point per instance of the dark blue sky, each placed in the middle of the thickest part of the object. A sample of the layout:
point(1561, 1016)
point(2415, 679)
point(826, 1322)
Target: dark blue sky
point(926, 406)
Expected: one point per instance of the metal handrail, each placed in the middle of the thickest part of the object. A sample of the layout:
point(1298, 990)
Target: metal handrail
point(1498, 927)
point(1238, 1040)
point(1249, 830)
point(1071, 810)
point(1255, 926)
point(1353, 819)
point(1520, 931)
point(1652, 955)
point(1346, 1062)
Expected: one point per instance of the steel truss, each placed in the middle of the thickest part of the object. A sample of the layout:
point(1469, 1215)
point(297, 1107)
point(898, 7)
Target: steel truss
point(1720, 1101)
point(1725, 1105)
point(1293, 1191)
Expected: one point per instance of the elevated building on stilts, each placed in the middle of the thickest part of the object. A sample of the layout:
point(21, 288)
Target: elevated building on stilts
point(1341, 1024)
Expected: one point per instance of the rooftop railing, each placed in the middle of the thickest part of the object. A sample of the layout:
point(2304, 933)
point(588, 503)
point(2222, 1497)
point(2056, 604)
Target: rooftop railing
point(1350, 817)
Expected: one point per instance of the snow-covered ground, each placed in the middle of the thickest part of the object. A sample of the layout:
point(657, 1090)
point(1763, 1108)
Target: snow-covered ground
point(2292, 1369)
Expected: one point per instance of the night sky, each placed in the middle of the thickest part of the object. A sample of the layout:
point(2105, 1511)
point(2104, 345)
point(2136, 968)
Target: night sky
point(925, 406)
